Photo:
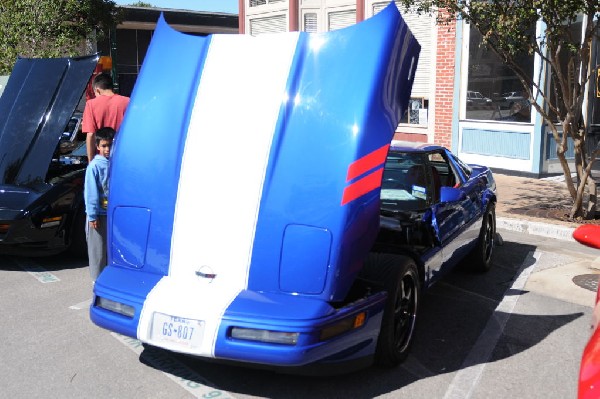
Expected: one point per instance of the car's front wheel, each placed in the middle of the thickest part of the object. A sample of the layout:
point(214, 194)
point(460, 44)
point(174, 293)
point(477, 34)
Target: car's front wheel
point(400, 278)
point(481, 257)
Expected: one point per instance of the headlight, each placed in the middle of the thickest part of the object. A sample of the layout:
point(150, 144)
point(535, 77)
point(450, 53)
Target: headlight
point(274, 337)
point(114, 306)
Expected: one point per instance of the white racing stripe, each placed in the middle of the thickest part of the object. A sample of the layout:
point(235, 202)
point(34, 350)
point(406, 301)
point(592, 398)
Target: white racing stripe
point(465, 381)
point(223, 169)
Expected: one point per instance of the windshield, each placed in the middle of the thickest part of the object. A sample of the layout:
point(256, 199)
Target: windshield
point(405, 182)
point(71, 148)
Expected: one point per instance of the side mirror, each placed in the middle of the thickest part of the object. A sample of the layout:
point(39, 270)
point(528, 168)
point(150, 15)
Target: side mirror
point(588, 234)
point(451, 194)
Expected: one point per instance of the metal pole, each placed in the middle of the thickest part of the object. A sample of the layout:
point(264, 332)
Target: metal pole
point(113, 56)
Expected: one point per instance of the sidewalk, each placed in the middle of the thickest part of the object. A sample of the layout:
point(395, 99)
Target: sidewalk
point(534, 206)
point(539, 207)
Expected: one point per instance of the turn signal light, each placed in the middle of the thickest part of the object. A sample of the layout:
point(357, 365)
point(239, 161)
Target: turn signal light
point(51, 221)
point(343, 326)
point(272, 337)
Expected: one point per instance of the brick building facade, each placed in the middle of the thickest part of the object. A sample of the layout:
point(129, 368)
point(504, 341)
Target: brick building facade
point(419, 124)
point(444, 83)
point(464, 96)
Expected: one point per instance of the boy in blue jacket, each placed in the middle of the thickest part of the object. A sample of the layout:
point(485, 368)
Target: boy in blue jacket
point(95, 194)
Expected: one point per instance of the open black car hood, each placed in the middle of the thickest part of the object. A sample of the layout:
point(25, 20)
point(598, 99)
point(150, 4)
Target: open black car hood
point(38, 101)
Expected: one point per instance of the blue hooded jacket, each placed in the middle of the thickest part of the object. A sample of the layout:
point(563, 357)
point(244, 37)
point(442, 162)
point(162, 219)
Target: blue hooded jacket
point(95, 191)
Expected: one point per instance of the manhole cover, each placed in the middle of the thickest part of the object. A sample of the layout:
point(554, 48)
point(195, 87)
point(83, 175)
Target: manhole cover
point(587, 281)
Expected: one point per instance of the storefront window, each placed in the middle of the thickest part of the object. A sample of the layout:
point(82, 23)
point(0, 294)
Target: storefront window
point(416, 113)
point(494, 92)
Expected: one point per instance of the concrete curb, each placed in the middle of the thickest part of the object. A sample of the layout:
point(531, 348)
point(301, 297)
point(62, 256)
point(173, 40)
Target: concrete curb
point(536, 228)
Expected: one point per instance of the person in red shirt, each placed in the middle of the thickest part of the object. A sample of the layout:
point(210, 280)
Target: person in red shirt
point(105, 110)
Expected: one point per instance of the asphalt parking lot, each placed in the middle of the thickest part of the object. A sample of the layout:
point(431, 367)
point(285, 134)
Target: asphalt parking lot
point(516, 331)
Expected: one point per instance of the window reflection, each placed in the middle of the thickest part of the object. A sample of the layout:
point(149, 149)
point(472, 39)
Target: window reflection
point(494, 92)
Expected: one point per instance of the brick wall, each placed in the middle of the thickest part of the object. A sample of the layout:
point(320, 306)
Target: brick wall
point(414, 137)
point(444, 83)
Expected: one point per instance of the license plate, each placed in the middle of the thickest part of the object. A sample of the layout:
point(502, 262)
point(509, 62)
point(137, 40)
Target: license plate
point(186, 333)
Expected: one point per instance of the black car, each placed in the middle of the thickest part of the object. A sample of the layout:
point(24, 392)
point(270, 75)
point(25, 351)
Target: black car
point(42, 157)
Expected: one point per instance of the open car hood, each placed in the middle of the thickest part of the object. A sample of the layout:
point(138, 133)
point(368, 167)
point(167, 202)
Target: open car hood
point(250, 165)
point(260, 154)
point(39, 98)
point(246, 176)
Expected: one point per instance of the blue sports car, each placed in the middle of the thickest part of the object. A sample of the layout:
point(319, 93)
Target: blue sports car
point(259, 211)
point(436, 211)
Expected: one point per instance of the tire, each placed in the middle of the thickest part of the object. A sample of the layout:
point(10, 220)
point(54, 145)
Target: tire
point(480, 259)
point(78, 242)
point(400, 278)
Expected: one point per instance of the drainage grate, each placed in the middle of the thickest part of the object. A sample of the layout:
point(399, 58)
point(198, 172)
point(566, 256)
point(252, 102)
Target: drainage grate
point(587, 281)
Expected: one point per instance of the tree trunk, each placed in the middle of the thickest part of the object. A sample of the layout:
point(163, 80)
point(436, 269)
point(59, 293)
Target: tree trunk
point(591, 208)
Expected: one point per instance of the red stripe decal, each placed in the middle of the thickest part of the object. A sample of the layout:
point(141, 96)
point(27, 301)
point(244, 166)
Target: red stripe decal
point(362, 186)
point(368, 162)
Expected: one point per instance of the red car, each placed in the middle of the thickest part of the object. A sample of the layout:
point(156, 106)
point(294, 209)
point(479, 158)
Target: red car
point(589, 372)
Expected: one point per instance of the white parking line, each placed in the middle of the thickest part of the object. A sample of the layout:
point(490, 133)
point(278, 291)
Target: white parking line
point(185, 377)
point(41, 274)
point(466, 380)
point(175, 370)
point(81, 305)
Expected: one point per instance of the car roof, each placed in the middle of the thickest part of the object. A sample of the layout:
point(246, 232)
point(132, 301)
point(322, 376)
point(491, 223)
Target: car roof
point(411, 146)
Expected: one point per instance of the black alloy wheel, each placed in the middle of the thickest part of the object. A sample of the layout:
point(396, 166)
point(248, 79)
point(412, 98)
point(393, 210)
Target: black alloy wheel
point(480, 259)
point(400, 278)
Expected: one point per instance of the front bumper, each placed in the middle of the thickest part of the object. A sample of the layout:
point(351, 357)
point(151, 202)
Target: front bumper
point(260, 311)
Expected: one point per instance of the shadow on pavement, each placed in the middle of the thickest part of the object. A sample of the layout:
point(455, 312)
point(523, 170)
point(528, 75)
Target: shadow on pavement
point(454, 314)
point(63, 261)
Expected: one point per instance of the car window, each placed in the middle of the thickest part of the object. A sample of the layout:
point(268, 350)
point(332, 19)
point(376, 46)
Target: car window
point(406, 183)
point(71, 148)
point(466, 169)
point(446, 173)
point(69, 152)
point(71, 130)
